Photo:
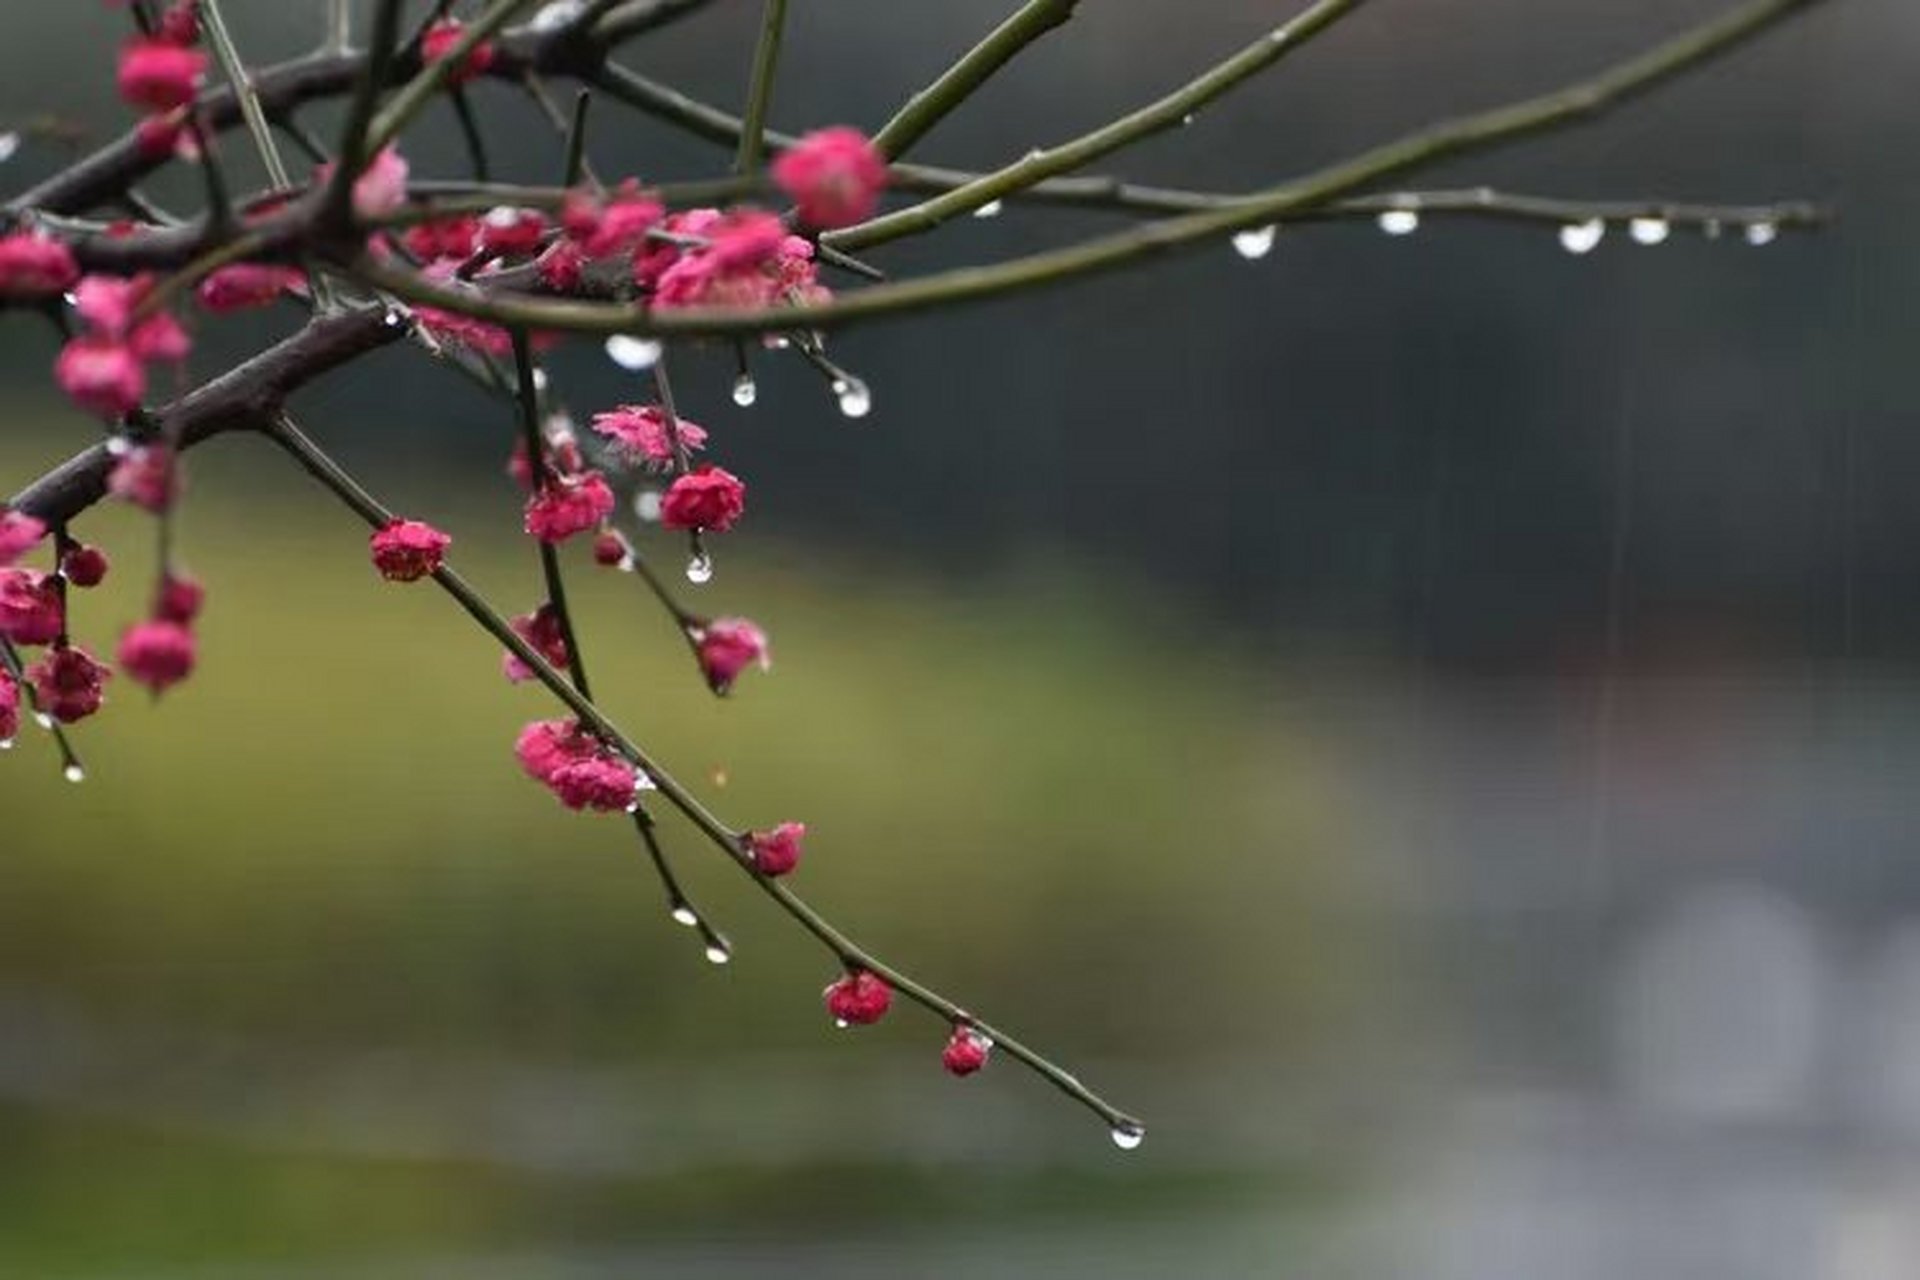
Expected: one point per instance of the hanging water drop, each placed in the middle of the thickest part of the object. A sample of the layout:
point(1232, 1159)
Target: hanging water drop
point(1186, 119)
point(539, 379)
point(1583, 237)
point(1128, 1136)
point(1400, 222)
point(700, 569)
point(856, 401)
point(1255, 244)
point(717, 953)
point(6, 744)
point(991, 209)
point(74, 773)
point(841, 1024)
point(119, 446)
point(684, 915)
point(44, 720)
point(646, 505)
point(1762, 233)
point(1649, 231)
point(9, 143)
point(745, 391)
point(631, 353)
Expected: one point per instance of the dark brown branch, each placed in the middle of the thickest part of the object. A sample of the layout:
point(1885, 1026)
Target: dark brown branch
point(246, 397)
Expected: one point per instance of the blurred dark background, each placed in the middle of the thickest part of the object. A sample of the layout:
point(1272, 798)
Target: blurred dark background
point(1427, 720)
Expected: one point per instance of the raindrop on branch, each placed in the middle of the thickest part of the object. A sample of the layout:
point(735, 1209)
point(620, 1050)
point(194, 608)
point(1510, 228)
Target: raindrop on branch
point(700, 569)
point(684, 915)
point(991, 209)
point(9, 143)
point(1256, 243)
point(1649, 231)
point(856, 401)
point(74, 773)
point(718, 953)
point(1400, 222)
point(1128, 1136)
point(1762, 233)
point(631, 353)
point(1583, 237)
point(745, 391)
point(646, 505)
point(42, 719)
point(6, 744)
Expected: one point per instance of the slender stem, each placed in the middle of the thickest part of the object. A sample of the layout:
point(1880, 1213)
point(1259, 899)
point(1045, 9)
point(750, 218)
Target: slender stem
point(963, 79)
point(575, 165)
point(339, 27)
point(766, 69)
point(470, 135)
point(542, 476)
point(11, 661)
point(436, 75)
point(1583, 101)
point(356, 143)
point(334, 478)
point(1168, 113)
point(250, 109)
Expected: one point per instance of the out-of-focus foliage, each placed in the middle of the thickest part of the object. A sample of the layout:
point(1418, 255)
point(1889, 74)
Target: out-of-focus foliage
point(306, 966)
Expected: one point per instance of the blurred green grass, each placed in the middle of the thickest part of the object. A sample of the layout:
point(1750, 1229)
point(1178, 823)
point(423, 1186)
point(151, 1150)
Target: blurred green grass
point(1041, 792)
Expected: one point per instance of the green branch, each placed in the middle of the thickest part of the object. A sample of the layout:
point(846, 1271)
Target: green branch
point(1585, 100)
point(766, 69)
point(959, 82)
point(1169, 112)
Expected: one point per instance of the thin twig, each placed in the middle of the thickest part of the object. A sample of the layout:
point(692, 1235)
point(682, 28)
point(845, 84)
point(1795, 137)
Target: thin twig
point(766, 70)
point(1169, 112)
point(1583, 101)
point(318, 464)
point(963, 79)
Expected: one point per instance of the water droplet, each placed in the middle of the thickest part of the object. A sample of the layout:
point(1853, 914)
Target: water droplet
point(631, 353)
point(539, 379)
point(646, 505)
point(9, 143)
point(119, 446)
point(74, 773)
point(700, 569)
point(991, 209)
point(6, 744)
point(42, 719)
point(1583, 237)
point(1128, 1136)
point(841, 1024)
point(856, 401)
point(1186, 119)
point(778, 342)
point(745, 391)
point(717, 953)
point(1255, 244)
point(1762, 233)
point(393, 318)
point(1400, 222)
point(684, 915)
point(557, 15)
point(1649, 231)
point(627, 563)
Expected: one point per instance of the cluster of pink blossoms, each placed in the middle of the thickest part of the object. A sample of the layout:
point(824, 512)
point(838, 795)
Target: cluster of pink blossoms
point(160, 74)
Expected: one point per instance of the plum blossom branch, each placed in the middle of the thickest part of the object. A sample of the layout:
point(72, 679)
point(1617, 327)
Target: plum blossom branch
point(1583, 101)
point(321, 467)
